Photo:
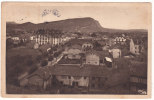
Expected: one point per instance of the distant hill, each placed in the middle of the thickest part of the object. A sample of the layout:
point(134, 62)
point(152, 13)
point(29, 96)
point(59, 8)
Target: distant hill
point(82, 25)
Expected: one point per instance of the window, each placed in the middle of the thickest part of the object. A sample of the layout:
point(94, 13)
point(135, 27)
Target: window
point(69, 77)
point(85, 77)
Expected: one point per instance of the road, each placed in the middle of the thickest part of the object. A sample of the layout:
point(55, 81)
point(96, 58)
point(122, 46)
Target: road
point(55, 60)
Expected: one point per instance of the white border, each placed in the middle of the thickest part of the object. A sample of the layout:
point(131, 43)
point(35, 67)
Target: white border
point(80, 1)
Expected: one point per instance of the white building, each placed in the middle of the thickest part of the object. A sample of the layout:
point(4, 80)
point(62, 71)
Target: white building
point(134, 47)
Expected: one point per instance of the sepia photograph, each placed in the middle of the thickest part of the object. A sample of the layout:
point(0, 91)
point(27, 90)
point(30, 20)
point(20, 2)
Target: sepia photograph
point(86, 49)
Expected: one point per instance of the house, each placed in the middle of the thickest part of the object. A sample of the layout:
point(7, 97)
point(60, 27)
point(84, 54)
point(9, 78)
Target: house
point(44, 48)
point(87, 46)
point(92, 58)
point(36, 46)
point(40, 79)
point(106, 47)
point(16, 40)
point(116, 53)
point(96, 57)
point(32, 38)
point(73, 52)
point(86, 76)
point(119, 40)
point(138, 78)
point(135, 47)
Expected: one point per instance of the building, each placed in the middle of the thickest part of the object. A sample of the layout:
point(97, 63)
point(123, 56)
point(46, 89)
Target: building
point(73, 52)
point(138, 78)
point(40, 79)
point(16, 40)
point(135, 47)
point(53, 37)
point(105, 48)
point(87, 46)
point(36, 46)
point(48, 39)
point(86, 76)
point(96, 57)
point(92, 58)
point(119, 40)
point(116, 53)
point(32, 38)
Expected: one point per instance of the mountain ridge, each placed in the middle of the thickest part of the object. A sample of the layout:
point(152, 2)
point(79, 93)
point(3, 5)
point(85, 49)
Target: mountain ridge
point(82, 25)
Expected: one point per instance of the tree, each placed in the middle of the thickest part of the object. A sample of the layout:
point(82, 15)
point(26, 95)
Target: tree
point(93, 35)
point(29, 62)
point(34, 68)
point(39, 58)
point(50, 58)
point(56, 54)
point(44, 63)
point(9, 43)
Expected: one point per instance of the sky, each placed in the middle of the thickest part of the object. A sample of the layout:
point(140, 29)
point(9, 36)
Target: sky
point(117, 16)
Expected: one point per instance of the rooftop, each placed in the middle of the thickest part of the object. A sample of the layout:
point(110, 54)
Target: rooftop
point(83, 70)
point(73, 70)
point(101, 54)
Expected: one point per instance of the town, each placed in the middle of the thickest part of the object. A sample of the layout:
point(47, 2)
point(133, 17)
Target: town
point(48, 61)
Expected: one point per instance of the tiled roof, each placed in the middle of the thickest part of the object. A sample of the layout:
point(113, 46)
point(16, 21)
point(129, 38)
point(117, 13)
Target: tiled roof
point(76, 46)
point(70, 61)
point(101, 54)
point(42, 72)
point(85, 70)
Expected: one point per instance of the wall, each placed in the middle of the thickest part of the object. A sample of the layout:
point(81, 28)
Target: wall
point(68, 80)
point(132, 47)
point(92, 59)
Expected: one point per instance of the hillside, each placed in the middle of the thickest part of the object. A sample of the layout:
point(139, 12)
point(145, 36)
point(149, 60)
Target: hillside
point(82, 25)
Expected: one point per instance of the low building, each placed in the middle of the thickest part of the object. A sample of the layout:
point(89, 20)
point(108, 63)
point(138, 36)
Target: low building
point(86, 76)
point(116, 53)
point(40, 79)
point(73, 52)
point(138, 78)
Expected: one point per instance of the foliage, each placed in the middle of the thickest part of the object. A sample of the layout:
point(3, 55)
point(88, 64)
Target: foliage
point(56, 54)
point(44, 63)
point(50, 58)
point(9, 43)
